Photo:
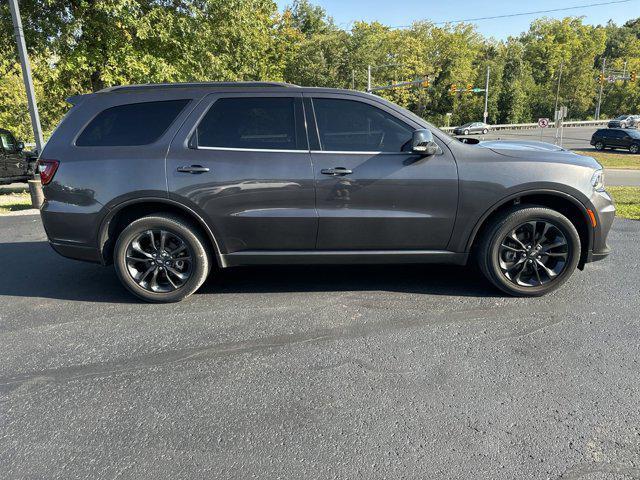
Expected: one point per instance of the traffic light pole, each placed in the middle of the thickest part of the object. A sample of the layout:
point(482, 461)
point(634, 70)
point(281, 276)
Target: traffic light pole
point(26, 74)
point(604, 61)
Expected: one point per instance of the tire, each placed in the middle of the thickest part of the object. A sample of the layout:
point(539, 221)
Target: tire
point(599, 146)
point(484, 132)
point(634, 148)
point(192, 261)
point(493, 257)
point(466, 132)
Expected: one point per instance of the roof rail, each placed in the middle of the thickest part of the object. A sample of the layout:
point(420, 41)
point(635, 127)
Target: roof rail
point(146, 86)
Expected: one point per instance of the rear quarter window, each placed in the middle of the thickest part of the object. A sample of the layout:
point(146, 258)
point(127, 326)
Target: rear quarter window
point(131, 124)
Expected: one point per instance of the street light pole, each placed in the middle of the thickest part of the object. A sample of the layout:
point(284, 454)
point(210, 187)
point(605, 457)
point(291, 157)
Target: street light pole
point(369, 78)
point(604, 61)
point(486, 97)
point(26, 74)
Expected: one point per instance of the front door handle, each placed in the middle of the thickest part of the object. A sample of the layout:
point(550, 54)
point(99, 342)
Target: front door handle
point(336, 171)
point(193, 169)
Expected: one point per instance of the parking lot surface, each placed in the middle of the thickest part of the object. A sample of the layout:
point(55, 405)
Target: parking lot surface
point(324, 372)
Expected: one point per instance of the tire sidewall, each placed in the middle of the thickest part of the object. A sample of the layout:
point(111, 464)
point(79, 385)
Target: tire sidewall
point(512, 221)
point(200, 265)
point(599, 146)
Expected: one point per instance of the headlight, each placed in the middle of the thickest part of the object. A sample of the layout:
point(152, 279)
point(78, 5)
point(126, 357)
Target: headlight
point(597, 180)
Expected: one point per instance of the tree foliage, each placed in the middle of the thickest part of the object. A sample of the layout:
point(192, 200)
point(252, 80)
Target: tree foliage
point(79, 46)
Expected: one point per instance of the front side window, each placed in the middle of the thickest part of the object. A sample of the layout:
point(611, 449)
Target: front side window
point(130, 125)
point(352, 126)
point(265, 123)
point(8, 142)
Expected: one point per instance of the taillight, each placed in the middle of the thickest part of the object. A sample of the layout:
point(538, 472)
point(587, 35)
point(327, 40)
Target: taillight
point(47, 169)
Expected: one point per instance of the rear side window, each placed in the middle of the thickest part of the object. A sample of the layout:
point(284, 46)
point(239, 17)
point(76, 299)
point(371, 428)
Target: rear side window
point(352, 126)
point(131, 124)
point(265, 123)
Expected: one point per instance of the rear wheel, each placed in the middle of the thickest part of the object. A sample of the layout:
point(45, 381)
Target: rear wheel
point(634, 148)
point(161, 258)
point(599, 146)
point(466, 132)
point(484, 132)
point(529, 251)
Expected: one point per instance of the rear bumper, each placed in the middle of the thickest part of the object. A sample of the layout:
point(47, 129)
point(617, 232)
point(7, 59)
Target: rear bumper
point(77, 252)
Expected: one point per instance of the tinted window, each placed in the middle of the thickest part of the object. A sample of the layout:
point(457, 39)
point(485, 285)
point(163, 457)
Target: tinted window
point(132, 124)
point(253, 122)
point(633, 133)
point(347, 125)
point(7, 142)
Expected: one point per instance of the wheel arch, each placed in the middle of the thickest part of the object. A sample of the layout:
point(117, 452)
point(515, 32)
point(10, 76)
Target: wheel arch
point(123, 214)
point(562, 202)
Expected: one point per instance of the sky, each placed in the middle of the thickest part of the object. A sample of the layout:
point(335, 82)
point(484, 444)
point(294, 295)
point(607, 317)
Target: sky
point(397, 13)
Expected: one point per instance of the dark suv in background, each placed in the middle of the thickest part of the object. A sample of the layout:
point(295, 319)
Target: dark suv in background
point(616, 138)
point(171, 181)
point(16, 164)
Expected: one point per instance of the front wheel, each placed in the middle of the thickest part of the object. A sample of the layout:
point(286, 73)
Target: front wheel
point(634, 148)
point(161, 258)
point(466, 132)
point(529, 251)
point(484, 132)
point(599, 146)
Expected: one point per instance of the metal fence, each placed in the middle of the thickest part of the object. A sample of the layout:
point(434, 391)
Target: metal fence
point(528, 126)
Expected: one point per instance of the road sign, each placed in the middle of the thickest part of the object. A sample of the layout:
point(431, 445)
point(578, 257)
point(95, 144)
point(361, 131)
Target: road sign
point(543, 122)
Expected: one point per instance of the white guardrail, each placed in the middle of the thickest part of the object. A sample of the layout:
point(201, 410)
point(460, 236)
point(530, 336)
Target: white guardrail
point(527, 126)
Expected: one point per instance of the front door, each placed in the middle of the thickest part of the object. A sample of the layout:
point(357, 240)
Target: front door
point(12, 159)
point(371, 193)
point(242, 161)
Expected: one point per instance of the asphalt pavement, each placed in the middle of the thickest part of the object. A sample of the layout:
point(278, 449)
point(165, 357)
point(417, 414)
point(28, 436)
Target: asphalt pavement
point(317, 373)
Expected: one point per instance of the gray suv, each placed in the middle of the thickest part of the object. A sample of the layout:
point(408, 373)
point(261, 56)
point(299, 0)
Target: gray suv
point(169, 182)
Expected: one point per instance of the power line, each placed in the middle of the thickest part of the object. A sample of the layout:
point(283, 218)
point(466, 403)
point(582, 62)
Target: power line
point(536, 12)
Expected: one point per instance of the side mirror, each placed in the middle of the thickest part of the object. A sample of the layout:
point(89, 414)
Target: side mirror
point(422, 143)
point(19, 146)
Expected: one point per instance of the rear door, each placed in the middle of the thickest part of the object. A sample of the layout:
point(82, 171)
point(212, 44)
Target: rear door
point(371, 192)
point(243, 162)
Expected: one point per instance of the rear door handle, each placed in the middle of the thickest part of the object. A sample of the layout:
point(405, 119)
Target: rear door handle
point(336, 171)
point(193, 169)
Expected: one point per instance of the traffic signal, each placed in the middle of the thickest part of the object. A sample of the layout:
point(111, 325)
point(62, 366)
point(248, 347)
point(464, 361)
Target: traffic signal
point(453, 89)
point(469, 87)
point(601, 78)
point(425, 84)
point(634, 76)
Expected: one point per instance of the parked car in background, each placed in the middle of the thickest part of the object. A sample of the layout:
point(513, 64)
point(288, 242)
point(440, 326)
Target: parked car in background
point(472, 127)
point(16, 163)
point(172, 182)
point(628, 139)
point(624, 121)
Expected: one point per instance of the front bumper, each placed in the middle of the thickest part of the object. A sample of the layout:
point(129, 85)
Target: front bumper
point(605, 213)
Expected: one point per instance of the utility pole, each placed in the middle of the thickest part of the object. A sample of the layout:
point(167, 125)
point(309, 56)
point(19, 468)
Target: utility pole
point(353, 79)
point(604, 61)
point(26, 74)
point(555, 113)
point(486, 97)
point(369, 78)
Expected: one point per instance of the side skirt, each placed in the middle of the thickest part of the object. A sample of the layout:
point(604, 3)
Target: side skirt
point(338, 257)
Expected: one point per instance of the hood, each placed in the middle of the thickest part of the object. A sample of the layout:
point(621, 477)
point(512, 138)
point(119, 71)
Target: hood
point(538, 151)
point(528, 145)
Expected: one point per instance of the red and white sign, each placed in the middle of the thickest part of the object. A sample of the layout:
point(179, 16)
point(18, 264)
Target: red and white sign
point(543, 122)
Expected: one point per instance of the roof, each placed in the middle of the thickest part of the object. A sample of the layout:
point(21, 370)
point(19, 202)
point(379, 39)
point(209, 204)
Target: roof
point(153, 86)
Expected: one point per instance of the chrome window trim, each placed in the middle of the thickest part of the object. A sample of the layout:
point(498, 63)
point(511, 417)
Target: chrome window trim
point(352, 152)
point(232, 149)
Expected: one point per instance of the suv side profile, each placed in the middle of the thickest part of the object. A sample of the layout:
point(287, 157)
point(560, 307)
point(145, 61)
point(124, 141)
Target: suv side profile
point(169, 182)
point(616, 138)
